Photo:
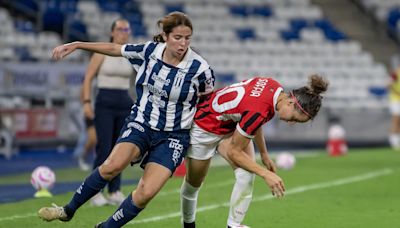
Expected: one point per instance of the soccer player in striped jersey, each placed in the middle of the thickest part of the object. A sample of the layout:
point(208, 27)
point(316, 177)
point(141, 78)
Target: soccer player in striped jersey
point(226, 122)
point(170, 78)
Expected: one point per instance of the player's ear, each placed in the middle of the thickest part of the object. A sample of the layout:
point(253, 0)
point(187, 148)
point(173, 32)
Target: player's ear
point(164, 36)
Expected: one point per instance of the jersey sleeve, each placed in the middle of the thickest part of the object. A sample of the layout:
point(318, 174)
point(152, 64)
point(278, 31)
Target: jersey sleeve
point(206, 81)
point(249, 123)
point(134, 51)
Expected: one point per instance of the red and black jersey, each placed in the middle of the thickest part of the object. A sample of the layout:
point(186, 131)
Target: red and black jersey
point(245, 106)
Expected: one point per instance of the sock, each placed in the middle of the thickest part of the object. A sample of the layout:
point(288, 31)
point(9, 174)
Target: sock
point(90, 187)
point(188, 202)
point(394, 140)
point(125, 213)
point(241, 196)
point(189, 225)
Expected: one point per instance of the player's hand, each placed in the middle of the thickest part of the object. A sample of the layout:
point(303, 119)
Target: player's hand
point(88, 111)
point(268, 163)
point(275, 183)
point(61, 51)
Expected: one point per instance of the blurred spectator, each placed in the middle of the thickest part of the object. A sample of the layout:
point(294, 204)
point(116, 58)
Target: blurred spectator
point(112, 105)
point(394, 96)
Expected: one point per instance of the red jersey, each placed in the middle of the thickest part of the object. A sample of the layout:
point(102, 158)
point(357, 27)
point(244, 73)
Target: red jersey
point(245, 106)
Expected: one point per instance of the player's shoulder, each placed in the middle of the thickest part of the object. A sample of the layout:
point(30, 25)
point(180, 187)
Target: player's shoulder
point(194, 56)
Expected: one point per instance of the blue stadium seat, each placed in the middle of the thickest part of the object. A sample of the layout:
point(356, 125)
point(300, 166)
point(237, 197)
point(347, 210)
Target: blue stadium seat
point(173, 7)
point(265, 11)
point(77, 31)
point(290, 35)
point(239, 10)
point(245, 33)
point(28, 8)
point(53, 20)
point(298, 23)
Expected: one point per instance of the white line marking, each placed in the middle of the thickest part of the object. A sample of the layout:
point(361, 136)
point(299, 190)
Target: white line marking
point(295, 190)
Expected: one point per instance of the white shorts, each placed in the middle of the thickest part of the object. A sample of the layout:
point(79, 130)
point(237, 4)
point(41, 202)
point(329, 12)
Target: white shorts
point(395, 108)
point(203, 144)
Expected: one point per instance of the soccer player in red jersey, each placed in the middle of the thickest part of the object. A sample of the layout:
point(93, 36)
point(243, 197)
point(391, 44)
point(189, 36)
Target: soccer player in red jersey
point(226, 121)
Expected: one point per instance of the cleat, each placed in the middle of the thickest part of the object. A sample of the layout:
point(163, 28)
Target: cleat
point(116, 198)
point(240, 226)
point(99, 225)
point(52, 213)
point(189, 225)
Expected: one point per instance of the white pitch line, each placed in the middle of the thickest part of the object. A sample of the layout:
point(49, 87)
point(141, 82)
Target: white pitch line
point(14, 217)
point(295, 190)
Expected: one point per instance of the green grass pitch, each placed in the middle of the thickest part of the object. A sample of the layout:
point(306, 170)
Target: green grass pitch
point(360, 190)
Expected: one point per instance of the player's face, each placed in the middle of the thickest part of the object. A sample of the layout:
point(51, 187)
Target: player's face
point(290, 114)
point(178, 41)
point(121, 32)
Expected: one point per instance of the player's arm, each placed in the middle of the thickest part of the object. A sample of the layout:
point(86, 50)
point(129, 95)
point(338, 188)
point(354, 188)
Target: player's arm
point(93, 67)
point(110, 49)
point(235, 146)
point(262, 147)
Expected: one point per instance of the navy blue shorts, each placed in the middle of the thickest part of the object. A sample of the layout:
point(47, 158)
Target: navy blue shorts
point(163, 147)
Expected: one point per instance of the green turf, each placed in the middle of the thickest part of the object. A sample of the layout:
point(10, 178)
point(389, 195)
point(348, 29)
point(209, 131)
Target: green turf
point(358, 190)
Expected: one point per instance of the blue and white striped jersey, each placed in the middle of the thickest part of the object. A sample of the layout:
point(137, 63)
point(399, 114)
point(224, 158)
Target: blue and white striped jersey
point(167, 95)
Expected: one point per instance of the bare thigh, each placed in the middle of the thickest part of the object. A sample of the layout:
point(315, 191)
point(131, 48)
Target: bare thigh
point(153, 179)
point(120, 157)
point(224, 153)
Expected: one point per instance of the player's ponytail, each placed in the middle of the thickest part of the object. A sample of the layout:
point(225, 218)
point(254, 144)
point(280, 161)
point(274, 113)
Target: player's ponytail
point(309, 98)
point(171, 21)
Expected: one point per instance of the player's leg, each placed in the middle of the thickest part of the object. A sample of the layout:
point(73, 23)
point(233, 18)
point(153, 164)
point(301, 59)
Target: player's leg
point(202, 149)
point(242, 191)
point(394, 137)
point(153, 179)
point(162, 160)
point(195, 174)
point(119, 158)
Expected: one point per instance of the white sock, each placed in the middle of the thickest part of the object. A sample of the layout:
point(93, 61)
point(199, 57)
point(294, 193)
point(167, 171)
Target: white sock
point(188, 202)
point(242, 194)
point(394, 140)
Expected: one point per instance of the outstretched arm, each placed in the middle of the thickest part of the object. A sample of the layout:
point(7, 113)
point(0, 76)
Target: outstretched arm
point(262, 147)
point(235, 146)
point(110, 49)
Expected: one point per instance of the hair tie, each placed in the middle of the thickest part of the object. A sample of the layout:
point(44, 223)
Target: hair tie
point(298, 105)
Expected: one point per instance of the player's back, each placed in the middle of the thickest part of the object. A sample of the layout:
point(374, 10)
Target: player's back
point(248, 103)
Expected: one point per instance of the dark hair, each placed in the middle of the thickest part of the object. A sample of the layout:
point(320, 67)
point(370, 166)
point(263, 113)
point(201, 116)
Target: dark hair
point(171, 21)
point(309, 97)
point(113, 26)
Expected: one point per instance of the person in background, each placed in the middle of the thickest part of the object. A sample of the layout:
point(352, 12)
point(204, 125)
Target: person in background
point(394, 98)
point(111, 106)
point(170, 80)
point(226, 122)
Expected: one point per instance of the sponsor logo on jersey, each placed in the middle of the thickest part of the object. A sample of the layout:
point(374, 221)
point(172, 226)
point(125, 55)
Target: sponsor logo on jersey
point(159, 79)
point(136, 126)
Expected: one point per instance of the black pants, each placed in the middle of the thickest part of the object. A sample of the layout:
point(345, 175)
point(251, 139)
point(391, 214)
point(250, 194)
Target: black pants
point(111, 108)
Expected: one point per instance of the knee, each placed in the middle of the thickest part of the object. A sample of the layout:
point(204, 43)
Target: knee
point(244, 177)
point(109, 169)
point(143, 194)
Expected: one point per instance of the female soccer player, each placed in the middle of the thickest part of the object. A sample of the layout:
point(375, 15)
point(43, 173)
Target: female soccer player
point(170, 79)
point(226, 122)
point(112, 105)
